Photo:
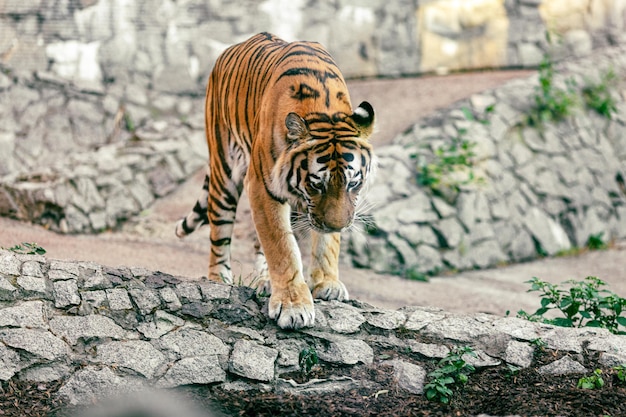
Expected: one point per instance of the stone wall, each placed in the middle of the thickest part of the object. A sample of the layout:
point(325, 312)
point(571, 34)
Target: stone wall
point(539, 190)
point(108, 331)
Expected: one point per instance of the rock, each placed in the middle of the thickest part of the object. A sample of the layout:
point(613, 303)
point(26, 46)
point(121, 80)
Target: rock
point(137, 355)
point(563, 366)
point(9, 363)
point(38, 342)
point(519, 354)
point(93, 326)
point(342, 318)
point(347, 352)
point(546, 231)
point(28, 314)
point(90, 384)
point(187, 342)
point(196, 370)
point(118, 299)
point(410, 377)
point(253, 361)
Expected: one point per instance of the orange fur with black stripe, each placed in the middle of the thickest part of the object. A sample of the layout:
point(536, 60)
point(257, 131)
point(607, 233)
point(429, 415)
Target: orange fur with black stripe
point(279, 121)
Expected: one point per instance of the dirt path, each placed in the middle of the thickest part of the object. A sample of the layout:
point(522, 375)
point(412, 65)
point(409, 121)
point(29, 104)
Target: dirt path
point(148, 241)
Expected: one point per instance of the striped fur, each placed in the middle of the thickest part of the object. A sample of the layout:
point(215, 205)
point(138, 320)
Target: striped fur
point(279, 121)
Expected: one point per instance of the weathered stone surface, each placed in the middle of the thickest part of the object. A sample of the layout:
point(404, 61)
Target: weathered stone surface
point(9, 362)
point(347, 352)
point(74, 328)
point(65, 293)
point(253, 361)
point(563, 366)
point(188, 342)
point(38, 342)
point(410, 377)
point(137, 355)
point(519, 353)
point(195, 370)
point(165, 350)
point(92, 383)
point(29, 314)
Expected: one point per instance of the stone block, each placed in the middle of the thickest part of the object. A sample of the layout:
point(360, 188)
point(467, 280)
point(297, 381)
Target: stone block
point(74, 328)
point(563, 366)
point(546, 231)
point(28, 314)
point(253, 361)
point(202, 370)
point(137, 355)
point(38, 342)
point(187, 342)
point(410, 377)
point(65, 293)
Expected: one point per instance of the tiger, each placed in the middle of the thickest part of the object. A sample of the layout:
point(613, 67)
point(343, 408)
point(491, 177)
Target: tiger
point(280, 126)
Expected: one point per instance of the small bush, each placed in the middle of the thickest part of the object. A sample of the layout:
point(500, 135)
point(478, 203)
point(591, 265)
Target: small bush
point(598, 96)
point(582, 304)
point(451, 371)
point(26, 248)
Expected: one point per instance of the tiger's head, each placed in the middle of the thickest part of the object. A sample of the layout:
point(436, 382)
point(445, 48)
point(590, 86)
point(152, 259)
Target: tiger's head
point(325, 165)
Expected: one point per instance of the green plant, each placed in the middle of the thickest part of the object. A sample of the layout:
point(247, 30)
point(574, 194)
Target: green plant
point(620, 373)
point(307, 359)
point(27, 249)
point(598, 96)
point(552, 103)
point(582, 304)
point(451, 371)
point(594, 381)
point(595, 242)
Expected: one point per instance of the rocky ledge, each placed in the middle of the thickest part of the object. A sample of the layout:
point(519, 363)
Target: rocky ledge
point(105, 331)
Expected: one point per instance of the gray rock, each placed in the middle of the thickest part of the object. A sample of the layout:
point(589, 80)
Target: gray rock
point(347, 352)
point(146, 299)
point(214, 290)
point(563, 366)
point(33, 286)
point(85, 327)
point(38, 342)
point(343, 318)
point(9, 264)
point(196, 370)
point(9, 363)
point(28, 314)
point(189, 291)
point(388, 320)
point(92, 383)
point(162, 324)
point(61, 270)
point(65, 293)
point(410, 377)
point(46, 373)
point(168, 295)
point(519, 353)
point(118, 299)
point(137, 355)
point(253, 361)
point(548, 233)
point(7, 290)
point(188, 342)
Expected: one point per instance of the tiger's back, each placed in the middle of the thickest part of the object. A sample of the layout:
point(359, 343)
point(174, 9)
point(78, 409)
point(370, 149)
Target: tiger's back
point(279, 118)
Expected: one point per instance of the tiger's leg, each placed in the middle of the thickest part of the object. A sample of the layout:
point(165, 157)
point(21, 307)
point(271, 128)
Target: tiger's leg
point(325, 282)
point(262, 279)
point(290, 304)
point(222, 206)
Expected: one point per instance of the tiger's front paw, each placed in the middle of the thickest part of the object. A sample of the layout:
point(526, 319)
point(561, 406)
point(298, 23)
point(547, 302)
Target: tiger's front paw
point(292, 308)
point(331, 290)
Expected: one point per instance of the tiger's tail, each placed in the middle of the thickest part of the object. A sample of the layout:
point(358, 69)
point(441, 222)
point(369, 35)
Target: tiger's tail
point(198, 216)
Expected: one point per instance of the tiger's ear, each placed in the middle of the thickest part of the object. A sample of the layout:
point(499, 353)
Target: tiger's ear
point(363, 116)
point(297, 128)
